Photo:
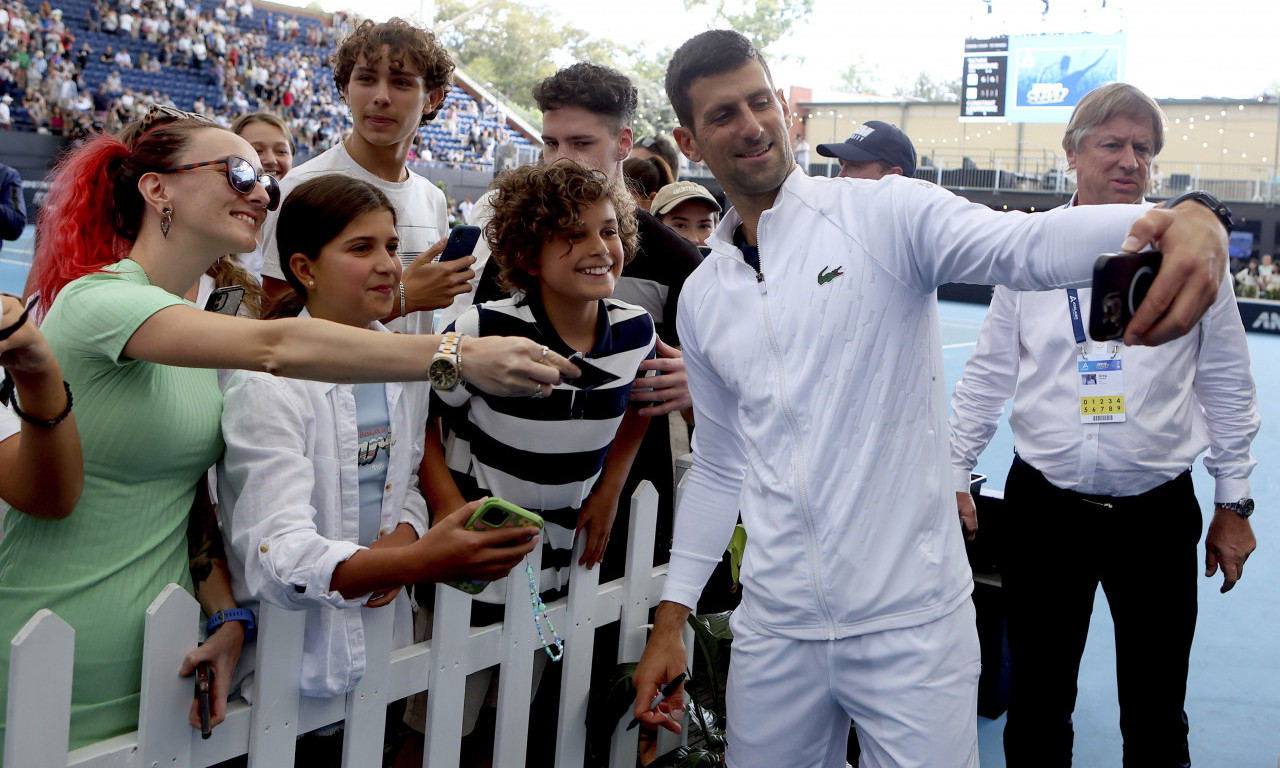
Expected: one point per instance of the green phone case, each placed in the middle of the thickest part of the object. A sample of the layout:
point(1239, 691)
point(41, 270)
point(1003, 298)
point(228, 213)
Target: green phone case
point(495, 513)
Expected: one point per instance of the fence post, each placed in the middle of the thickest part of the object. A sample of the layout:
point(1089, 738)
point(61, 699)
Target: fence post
point(450, 630)
point(632, 627)
point(172, 626)
point(579, 633)
point(41, 657)
point(367, 704)
point(277, 686)
point(515, 680)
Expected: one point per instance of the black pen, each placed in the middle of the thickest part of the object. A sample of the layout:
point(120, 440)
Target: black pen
point(662, 696)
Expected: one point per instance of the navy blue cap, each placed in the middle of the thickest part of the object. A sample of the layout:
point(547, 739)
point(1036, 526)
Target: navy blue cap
point(875, 140)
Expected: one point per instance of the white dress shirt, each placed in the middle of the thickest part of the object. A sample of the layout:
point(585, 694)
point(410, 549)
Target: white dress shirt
point(1181, 397)
point(290, 506)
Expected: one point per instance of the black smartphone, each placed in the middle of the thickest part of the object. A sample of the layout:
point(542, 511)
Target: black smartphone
point(592, 376)
point(204, 693)
point(462, 241)
point(226, 300)
point(1120, 283)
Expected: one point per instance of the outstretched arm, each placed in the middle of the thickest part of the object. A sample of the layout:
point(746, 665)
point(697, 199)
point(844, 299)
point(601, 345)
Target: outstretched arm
point(302, 348)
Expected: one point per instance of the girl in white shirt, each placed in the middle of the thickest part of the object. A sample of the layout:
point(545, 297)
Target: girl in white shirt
point(319, 486)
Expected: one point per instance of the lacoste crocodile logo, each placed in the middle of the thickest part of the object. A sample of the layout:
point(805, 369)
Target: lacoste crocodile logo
point(825, 277)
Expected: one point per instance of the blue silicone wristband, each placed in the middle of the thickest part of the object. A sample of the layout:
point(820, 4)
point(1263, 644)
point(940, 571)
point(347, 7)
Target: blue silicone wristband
point(233, 614)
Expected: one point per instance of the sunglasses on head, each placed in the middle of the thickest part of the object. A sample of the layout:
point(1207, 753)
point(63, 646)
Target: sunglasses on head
point(241, 176)
point(160, 114)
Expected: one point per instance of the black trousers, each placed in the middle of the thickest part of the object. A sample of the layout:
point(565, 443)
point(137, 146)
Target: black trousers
point(1060, 546)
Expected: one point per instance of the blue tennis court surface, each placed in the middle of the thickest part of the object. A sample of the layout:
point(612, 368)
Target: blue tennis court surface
point(15, 261)
point(1233, 692)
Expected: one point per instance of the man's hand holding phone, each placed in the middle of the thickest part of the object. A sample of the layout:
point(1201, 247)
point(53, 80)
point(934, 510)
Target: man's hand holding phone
point(1194, 243)
point(1120, 283)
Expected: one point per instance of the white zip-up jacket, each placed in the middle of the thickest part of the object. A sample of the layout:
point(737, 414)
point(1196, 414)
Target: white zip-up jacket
point(290, 507)
point(821, 403)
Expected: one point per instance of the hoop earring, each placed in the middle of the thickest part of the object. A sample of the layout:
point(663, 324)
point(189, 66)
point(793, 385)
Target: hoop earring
point(166, 221)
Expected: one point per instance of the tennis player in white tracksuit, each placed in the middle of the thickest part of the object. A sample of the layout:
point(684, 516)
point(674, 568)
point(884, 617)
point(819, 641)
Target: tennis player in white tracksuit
point(821, 414)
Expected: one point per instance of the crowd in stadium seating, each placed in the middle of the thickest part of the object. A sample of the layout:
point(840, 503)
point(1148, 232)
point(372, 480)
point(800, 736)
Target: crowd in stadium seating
point(96, 64)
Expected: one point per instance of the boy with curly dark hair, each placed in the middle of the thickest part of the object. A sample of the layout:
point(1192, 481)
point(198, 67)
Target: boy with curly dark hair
point(587, 111)
point(560, 234)
point(394, 77)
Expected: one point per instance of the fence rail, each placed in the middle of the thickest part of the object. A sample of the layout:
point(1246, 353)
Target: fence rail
point(39, 696)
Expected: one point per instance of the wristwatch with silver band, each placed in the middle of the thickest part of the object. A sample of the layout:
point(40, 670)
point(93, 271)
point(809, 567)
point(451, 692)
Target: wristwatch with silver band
point(445, 370)
point(1243, 507)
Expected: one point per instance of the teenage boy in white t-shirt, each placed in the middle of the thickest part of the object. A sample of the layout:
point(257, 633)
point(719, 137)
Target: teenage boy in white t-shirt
point(393, 76)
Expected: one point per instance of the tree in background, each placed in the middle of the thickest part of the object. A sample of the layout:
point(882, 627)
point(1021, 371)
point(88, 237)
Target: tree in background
point(927, 88)
point(509, 46)
point(764, 21)
point(860, 78)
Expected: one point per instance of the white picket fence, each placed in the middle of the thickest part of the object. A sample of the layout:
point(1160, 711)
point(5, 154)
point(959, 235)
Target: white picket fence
point(39, 696)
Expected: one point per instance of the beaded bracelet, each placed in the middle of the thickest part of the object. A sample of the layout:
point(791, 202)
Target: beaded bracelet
point(540, 615)
point(46, 423)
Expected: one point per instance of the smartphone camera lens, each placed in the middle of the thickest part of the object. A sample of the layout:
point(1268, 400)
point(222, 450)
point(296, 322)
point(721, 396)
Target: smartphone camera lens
point(1138, 288)
point(495, 517)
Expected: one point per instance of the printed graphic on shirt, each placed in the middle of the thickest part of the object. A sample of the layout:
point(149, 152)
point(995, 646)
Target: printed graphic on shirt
point(374, 446)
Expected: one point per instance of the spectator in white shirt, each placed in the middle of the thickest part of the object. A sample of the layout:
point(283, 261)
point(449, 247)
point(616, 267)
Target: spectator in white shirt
point(1104, 437)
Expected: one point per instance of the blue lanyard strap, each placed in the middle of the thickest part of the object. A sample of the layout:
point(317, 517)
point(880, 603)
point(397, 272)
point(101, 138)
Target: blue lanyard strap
point(1073, 308)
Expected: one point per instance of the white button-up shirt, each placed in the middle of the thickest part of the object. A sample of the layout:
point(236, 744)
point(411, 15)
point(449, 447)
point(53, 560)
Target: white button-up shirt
point(1192, 393)
point(290, 506)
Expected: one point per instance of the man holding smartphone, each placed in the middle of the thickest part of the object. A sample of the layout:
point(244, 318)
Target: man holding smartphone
point(1122, 475)
point(813, 351)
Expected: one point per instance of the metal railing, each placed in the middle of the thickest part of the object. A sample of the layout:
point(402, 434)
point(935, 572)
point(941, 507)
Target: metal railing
point(1046, 172)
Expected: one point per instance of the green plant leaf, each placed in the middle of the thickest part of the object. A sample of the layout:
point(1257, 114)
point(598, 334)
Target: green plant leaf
point(688, 757)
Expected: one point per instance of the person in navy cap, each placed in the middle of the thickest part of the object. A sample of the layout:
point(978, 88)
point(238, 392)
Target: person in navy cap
point(875, 150)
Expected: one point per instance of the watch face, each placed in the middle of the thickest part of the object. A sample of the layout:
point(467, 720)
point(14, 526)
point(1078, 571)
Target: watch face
point(442, 373)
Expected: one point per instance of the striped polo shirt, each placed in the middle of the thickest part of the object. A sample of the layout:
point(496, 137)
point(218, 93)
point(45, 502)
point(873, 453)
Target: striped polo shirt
point(544, 454)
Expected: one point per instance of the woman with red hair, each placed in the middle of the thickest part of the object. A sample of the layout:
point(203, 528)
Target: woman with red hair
point(126, 231)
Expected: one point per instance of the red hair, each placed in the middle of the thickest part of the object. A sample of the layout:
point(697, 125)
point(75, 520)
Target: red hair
point(94, 209)
point(75, 235)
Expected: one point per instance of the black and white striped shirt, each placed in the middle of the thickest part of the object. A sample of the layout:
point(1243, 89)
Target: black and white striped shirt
point(544, 454)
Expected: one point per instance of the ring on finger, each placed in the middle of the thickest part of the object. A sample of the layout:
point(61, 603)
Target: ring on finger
point(537, 392)
point(545, 350)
